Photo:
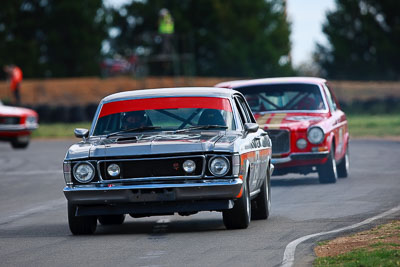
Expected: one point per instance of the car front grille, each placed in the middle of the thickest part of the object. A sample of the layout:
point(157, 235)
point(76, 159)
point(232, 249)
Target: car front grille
point(152, 167)
point(7, 120)
point(280, 141)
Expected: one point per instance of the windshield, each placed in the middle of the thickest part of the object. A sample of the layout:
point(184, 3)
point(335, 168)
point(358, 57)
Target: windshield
point(164, 114)
point(275, 97)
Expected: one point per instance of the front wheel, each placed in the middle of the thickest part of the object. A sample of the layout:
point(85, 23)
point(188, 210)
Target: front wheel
point(327, 172)
point(80, 225)
point(262, 207)
point(20, 142)
point(343, 167)
point(239, 216)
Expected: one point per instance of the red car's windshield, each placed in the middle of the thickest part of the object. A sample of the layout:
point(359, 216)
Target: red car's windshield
point(168, 113)
point(275, 97)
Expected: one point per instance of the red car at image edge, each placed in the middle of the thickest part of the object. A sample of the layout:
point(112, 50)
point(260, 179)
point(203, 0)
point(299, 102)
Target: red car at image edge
point(309, 131)
point(17, 124)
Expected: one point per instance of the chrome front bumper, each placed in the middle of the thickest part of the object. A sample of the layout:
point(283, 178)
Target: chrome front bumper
point(17, 127)
point(301, 156)
point(145, 193)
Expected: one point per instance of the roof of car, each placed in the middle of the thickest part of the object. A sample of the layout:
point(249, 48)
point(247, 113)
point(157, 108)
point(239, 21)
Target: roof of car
point(169, 92)
point(240, 83)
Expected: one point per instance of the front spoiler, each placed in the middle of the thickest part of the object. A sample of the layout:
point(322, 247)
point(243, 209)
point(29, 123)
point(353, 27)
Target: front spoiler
point(158, 208)
point(152, 193)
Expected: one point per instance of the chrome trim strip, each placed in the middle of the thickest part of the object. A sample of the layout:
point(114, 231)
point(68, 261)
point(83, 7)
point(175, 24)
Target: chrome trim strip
point(310, 153)
point(289, 158)
point(280, 160)
point(320, 111)
point(17, 127)
point(255, 192)
point(201, 183)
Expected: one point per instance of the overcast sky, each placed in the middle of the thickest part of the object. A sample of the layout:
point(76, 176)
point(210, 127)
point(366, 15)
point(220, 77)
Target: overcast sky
point(306, 17)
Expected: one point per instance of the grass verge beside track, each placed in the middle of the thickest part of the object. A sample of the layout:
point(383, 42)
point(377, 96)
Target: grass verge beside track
point(381, 126)
point(374, 125)
point(58, 130)
point(379, 246)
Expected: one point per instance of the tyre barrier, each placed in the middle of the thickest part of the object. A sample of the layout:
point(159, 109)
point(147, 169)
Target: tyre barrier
point(372, 106)
point(65, 114)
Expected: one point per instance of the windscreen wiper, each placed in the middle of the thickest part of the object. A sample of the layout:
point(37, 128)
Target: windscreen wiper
point(200, 127)
point(143, 128)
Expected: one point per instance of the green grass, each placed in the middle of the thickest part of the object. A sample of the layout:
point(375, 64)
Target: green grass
point(323, 243)
point(374, 125)
point(58, 130)
point(384, 245)
point(359, 126)
point(362, 257)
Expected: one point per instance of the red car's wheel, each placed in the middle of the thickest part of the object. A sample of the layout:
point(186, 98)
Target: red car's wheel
point(343, 167)
point(327, 173)
point(20, 143)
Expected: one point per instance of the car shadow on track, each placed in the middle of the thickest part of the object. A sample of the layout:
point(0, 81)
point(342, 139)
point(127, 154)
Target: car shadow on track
point(160, 230)
point(150, 227)
point(294, 181)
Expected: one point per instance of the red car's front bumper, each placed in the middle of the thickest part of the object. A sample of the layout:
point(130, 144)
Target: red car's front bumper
point(300, 159)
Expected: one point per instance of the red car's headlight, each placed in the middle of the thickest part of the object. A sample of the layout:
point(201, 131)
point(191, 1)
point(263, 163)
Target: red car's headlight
point(315, 135)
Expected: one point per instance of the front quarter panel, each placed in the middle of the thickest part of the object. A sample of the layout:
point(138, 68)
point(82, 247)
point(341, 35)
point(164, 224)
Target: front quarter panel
point(79, 150)
point(255, 153)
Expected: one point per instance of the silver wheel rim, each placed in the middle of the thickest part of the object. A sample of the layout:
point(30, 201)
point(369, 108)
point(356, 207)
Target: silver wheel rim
point(334, 165)
point(248, 206)
point(267, 190)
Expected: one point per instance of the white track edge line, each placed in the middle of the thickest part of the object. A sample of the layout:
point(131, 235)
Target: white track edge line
point(288, 256)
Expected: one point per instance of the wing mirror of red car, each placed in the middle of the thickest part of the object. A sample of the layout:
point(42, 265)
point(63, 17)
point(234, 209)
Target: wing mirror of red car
point(251, 127)
point(81, 133)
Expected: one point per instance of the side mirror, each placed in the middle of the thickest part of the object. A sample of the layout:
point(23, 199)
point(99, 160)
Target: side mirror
point(81, 133)
point(251, 127)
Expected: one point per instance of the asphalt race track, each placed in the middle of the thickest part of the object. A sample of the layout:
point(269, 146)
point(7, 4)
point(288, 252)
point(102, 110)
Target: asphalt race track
point(34, 228)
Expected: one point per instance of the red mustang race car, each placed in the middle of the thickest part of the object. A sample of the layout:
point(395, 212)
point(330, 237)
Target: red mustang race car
point(16, 125)
point(308, 130)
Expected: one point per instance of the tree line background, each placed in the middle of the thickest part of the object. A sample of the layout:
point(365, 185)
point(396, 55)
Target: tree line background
point(69, 38)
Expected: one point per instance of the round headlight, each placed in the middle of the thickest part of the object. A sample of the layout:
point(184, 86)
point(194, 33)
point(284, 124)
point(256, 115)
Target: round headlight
point(84, 172)
point(30, 120)
point(113, 170)
point(219, 166)
point(301, 143)
point(315, 135)
point(189, 166)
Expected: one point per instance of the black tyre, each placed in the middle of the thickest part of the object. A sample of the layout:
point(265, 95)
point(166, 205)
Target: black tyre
point(262, 203)
point(239, 216)
point(81, 225)
point(111, 219)
point(17, 144)
point(343, 168)
point(327, 173)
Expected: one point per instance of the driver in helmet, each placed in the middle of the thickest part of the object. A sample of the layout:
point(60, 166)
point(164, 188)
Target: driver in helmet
point(134, 119)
